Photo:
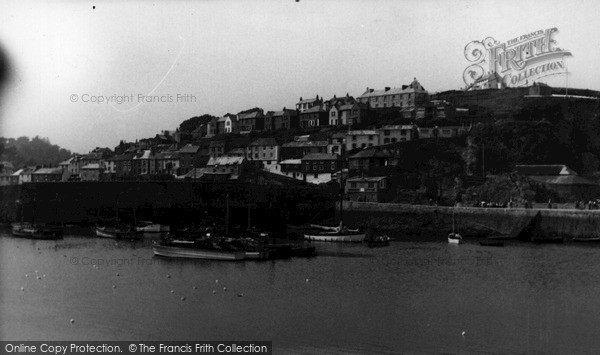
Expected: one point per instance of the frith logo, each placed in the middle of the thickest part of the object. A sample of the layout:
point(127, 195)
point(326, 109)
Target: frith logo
point(516, 62)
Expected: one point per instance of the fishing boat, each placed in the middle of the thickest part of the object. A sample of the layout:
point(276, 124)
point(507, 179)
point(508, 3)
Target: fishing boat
point(454, 237)
point(208, 247)
point(338, 234)
point(197, 253)
point(35, 230)
point(120, 232)
point(149, 227)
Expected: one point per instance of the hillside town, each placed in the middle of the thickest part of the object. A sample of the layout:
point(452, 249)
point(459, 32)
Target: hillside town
point(341, 139)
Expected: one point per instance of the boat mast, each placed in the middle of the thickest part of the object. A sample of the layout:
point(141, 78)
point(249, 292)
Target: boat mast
point(227, 215)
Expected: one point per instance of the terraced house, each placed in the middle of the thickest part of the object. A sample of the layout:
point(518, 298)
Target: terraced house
point(407, 96)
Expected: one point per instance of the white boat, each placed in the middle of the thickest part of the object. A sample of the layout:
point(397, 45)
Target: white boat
point(116, 233)
point(149, 227)
point(455, 238)
point(197, 253)
point(337, 234)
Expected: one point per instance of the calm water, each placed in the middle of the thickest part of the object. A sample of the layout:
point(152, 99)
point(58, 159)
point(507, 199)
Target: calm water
point(409, 297)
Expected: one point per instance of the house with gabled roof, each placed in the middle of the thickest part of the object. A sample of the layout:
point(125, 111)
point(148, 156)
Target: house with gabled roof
point(305, 104)
point(317, 168)
point(251, 121)
point(285, 119)
point(263, 152)
point(315, 116)
point(407, 96)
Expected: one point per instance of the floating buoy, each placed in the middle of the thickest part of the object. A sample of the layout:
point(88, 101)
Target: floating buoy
point(224, 288)
point(307, 280)
point(36, 271)
point(463, 333)
point(72, 320)
point(195, 287)
point(26, 275)
point(172, 291)
point(39, 278)
point(216, 281)
point(214, 292)
point(22, 289)
point(114, 286)
point(240, 295)
point(168, 276)
point(44, 275)
point(183, 298)
point(117, 274)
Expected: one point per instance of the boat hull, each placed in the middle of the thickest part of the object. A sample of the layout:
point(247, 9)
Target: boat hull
point(154, 228)
point(197, 253)
point(35, 232)
point(344, 238)
point(115, 233)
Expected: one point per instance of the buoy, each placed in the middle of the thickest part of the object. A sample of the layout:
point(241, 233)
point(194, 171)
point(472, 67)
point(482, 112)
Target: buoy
point(114, 286)
point(26, 275)
point(168, 276)
point(463, 333)
point(307, 280)
point(117, 274)
point(44, 275)
point(22, 289)
point(172, 291)
point(224, 288)
point(214, 292)
point(39, 278)
point(240, 295)
point(195, 287)
point(72, 320)
point(36, 271)
point(183, 298)
point(216, 281)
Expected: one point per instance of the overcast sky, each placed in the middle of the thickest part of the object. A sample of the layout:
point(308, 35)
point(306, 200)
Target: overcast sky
point(232, 56)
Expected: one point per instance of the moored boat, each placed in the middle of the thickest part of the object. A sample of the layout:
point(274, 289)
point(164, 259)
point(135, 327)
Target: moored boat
point(117, 232)
point(149, 227)
point(341, 235)
point(378, 241)
point(27, 230)
point(586, 239)
point(197, 253)
point(455, 238)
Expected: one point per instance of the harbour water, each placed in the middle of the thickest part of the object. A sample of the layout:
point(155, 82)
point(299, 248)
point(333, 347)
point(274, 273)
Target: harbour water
point(412, 296)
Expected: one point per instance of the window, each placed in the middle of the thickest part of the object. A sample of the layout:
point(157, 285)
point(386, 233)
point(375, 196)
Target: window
point(386, 132)
point(371, 185)
point(370, 137)
point(321, 167)
point(316, 176)
point(332, 113)
point(363, 145)
point(353, 185)
point(386, 140)
point(353, 138)
point(353, 145)
point(332, 165)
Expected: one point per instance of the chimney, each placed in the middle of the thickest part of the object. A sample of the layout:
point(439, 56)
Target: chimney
point(371, 90)
point(387, 88)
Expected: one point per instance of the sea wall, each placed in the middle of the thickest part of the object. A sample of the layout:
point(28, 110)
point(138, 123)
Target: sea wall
point(435, 222)
point(86, 202)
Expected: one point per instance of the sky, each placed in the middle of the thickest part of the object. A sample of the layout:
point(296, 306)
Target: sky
point(163, 62)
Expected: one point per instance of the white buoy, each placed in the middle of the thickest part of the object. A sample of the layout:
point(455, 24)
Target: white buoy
point(39, 278)
point(117, 274)
point(26, 275)
point(463, 333)
point(240, 295)
point(224, 288)
point(114, 286)
point(195, 288)
point(36, 271)
point(214, 292)
point(216, 281)
point(172, 291)
point(307, 280)
point(72, 320)
point(183, 298)
point(22, 289)
point(168, 276)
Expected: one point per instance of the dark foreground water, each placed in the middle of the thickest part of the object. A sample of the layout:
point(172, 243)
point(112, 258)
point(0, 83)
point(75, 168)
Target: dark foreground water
point(409, 297)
